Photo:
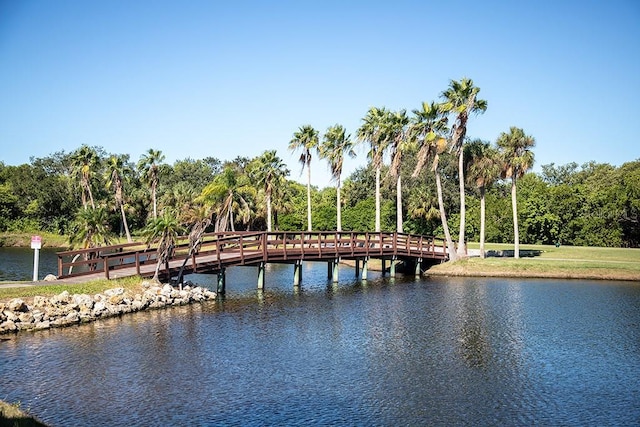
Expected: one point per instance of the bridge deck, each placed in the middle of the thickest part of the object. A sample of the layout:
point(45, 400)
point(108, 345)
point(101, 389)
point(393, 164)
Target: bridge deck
point(222, 250)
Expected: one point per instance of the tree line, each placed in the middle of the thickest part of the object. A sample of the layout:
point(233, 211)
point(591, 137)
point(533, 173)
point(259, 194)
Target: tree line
point(423, 175)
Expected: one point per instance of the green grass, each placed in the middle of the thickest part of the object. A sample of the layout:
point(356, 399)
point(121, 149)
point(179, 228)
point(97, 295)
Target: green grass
point(92, 287)
point(12, 415)
point(550, 261)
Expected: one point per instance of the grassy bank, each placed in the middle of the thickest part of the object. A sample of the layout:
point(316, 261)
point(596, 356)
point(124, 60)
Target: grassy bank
point(23, 240)
point(12, 416)
point(90, 288)
point(541, 261)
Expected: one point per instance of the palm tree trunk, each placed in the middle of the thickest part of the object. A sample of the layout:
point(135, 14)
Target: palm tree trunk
point(269, 212)
point(516, 237)
point(378, 199)
point(399, 204)
point(339, 207)
point(155, 205)
point(309, 228)
point(124, 222)
point(443, 217)
point(461, 241)
point(482, 220)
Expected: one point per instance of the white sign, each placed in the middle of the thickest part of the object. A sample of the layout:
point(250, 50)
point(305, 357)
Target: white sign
point(36, 242)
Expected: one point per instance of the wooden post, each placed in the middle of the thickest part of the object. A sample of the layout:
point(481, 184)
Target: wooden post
point(357, 267)
point(365, 263)
point(261, 276)
point(384, 267)
point(392, 268)
point(222, 282)
point(418, 267)
point(336, 267)
point(329, 270)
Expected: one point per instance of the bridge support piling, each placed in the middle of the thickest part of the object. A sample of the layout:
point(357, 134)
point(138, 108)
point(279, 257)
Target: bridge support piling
point(222, 282)
point(392, 267)
point(261, 276)
point(384, 267)
point(418, 272)
point(336, 268)
point(365, 263)
point(297, 273)
point(329, 270)
point(357, 267)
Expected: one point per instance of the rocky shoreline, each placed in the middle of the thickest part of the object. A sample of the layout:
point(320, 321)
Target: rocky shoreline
point(66, 309)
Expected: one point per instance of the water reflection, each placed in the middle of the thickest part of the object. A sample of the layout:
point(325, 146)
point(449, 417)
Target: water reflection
point(403, 352)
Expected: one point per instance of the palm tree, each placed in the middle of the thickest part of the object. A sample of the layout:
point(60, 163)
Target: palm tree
point(229, 193)
point(427, 129)
point(398, 140)
point(199, 219)
point(483, 167)
point(117, 172)
point(84, 161)
point(164, 231)
point(268, 170)
point(373, 131)
point(461, 99)
point(90, 229)
point(148, 166)
point(333, 148)
point(517, 159)
point(305, 139)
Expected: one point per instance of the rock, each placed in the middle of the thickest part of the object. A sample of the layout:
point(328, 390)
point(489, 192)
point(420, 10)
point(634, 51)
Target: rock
point(73, 317)
point(115, 291)
point(17, 305)
point(167, 290)
point(62, 298)
point(50, 278)
point(26, 318)
point(116, 299)
point(42, 325)
point(8, 326)
point(39, 301)
point(10, 316)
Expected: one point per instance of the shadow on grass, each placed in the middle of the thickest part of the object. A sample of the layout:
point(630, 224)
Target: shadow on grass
point(524, 253)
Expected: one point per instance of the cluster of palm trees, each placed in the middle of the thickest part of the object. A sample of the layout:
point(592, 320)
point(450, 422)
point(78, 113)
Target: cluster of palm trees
point(394, 134)
point(230, 198)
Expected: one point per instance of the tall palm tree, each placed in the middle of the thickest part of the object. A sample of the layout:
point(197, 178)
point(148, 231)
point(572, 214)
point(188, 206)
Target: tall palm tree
point(333, 148)
point(117, 172)
point(460, 98)
point(373, 132)
point(305, 139)
point(198, 218)
point(428, 126)
point(484, 167)
point(517, 159)
point(398, 139)
point(164, 231)
point(149, 165)
point(84, 162)
point(268, 170)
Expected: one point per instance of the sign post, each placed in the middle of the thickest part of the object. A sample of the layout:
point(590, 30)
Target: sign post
point(36, 244)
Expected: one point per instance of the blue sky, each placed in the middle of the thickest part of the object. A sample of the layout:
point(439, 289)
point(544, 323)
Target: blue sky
point(226, 79)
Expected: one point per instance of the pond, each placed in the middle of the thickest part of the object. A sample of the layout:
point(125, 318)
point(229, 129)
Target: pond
point(403, 351)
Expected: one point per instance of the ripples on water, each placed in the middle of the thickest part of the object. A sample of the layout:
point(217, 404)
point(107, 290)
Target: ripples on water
point(389, 352)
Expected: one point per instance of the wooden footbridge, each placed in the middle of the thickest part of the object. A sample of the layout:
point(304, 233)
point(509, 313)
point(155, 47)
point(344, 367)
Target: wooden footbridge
point(222, 250)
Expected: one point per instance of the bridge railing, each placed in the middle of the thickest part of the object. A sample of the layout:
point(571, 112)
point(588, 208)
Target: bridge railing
point(218, 250)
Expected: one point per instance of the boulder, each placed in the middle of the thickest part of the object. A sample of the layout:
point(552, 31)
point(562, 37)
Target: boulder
point(17, 305)
point(50, 278)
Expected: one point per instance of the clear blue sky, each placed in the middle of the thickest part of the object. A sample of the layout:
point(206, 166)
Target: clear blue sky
point(226, 79)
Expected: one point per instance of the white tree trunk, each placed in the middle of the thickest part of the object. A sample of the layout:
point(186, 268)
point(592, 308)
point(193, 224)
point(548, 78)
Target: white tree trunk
point(399, 204)
point(482, 221)
point(269, 212)
point(516, 236)
point(378, 199)
point(309, 227)
point(461, 241)
point(124, 222)
point(443, 217)
point(339, 207)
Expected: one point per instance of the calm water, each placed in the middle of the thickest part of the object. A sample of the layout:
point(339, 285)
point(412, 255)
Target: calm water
point(385, 353)
point(17, 263)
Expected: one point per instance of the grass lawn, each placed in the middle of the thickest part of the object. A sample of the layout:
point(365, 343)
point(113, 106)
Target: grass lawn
point(549, 261)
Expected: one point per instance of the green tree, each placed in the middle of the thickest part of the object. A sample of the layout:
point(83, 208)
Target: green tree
point(517, 159)
point(164, 231)
point(373, 132)
point(269, 171)
point(305, 139)
point(483, 167)
point(148, 166)
point(335, 145)
point(90, 229)
point(460, 99)
point(85, 161)
point(117, 173)
point(397, 134)
point(428, 126)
